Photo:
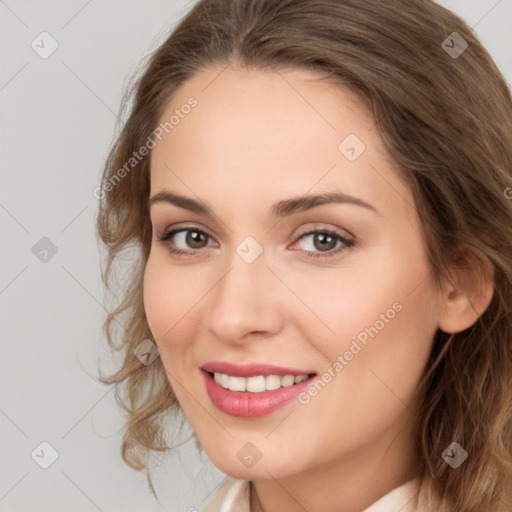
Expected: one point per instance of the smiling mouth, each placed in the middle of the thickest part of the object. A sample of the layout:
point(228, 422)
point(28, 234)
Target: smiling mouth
point(254, 396)
point(258, 383)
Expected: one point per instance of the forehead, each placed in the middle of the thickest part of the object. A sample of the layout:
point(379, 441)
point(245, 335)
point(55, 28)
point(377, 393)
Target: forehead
point(270, 133)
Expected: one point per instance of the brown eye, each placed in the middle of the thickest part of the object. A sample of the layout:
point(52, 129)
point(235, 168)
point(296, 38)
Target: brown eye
point(179, 241)
point(190, 242)
point(194, 239)
point(322, 243)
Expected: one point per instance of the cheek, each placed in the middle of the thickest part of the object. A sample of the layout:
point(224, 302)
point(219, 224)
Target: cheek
point(384, 323)
point(169, 302)
point(169, 298)
point(382, 358)
point(378, 294)
point(155, 299)
point(379, 318)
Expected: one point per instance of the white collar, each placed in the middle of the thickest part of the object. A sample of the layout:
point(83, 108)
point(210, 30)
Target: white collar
point(234, 496)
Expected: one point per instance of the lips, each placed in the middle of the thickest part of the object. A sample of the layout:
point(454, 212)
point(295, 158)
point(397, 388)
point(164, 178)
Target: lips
point(239, 390)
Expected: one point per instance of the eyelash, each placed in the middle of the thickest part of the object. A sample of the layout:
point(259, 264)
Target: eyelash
point(348, 244)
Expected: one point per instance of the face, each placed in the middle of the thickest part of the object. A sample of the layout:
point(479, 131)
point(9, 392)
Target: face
point(325, 310)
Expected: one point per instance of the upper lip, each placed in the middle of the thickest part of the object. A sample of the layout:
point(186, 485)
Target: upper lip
point(251, 370)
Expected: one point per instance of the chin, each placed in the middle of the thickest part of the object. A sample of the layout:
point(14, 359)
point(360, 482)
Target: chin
point(264, 468)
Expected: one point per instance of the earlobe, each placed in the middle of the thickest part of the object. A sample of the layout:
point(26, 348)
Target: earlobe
point(466, 295)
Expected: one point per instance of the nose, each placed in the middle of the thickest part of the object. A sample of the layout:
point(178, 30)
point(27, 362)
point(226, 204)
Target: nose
point(245, 303)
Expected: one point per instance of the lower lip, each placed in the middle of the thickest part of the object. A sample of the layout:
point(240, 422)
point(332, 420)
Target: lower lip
point(245, 404)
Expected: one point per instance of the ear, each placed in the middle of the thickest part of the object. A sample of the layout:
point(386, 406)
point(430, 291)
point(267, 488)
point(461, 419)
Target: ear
point(468, 292)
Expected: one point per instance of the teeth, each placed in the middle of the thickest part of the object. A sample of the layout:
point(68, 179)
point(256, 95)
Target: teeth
point(287, 380)
point(257, 384)
point(237, 383)
point(272, 382)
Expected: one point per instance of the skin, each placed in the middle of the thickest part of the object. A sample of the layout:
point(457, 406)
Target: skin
point(257, 137)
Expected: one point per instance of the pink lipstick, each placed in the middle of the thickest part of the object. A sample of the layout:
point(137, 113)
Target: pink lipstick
point(253, 390)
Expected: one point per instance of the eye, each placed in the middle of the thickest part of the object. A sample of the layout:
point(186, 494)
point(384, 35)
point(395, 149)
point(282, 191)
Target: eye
point(194, 238)
point(324, 239)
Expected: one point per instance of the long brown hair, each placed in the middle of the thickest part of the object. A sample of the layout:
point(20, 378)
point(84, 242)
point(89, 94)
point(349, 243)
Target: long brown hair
point(444, 112)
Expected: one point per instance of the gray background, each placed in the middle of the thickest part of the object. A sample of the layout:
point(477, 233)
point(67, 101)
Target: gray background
point(59, 118)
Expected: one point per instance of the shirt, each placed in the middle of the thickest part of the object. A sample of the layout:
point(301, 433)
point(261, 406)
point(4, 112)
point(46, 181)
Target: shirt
point(234, 496)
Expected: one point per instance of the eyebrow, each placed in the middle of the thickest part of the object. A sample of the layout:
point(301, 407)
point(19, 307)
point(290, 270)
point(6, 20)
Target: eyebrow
point(278, 210)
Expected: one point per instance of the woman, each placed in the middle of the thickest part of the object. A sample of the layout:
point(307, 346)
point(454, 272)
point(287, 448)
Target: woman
point(319, 191)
